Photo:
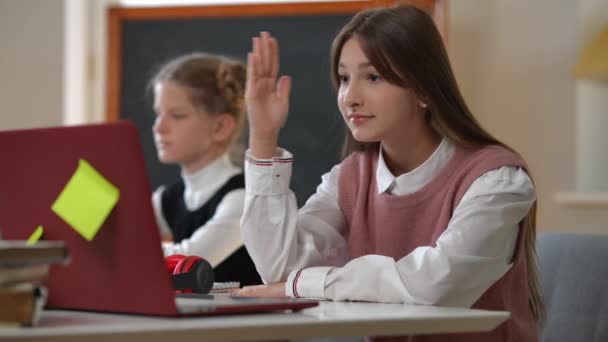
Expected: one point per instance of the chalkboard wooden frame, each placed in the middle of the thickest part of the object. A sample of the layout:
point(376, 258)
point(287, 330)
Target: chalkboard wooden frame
point(121, 18)
point(119, 15)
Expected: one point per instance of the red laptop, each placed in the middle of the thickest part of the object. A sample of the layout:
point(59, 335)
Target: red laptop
point(122, 268)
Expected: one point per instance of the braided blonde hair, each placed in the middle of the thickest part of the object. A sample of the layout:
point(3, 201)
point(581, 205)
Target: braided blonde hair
point(216, 84)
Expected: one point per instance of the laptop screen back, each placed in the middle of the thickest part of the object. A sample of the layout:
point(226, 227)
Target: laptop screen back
point(121, 269)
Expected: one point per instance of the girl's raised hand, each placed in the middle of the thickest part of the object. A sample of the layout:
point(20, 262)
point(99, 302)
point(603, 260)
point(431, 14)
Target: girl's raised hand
point(266, 97)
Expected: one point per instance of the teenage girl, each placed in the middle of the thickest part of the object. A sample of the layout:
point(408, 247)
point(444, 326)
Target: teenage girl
point(426, 208)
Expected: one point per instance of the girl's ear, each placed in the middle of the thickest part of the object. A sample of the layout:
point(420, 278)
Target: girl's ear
point(423, 102)
point(223, 127)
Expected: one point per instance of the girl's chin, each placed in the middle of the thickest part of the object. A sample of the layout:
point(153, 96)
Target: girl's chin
point(165, 158)
point(362, 138)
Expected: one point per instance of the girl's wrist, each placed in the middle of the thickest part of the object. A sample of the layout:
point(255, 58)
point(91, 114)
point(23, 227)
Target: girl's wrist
point(263, 148)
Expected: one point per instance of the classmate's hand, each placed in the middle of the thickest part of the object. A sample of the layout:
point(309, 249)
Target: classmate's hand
point(276, 290)
point(266, 98)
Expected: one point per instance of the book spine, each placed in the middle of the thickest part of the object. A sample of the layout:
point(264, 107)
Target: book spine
point(17, 304)
point(21, 303)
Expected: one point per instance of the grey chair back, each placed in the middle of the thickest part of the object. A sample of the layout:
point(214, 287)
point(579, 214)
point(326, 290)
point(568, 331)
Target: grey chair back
point(574, 279)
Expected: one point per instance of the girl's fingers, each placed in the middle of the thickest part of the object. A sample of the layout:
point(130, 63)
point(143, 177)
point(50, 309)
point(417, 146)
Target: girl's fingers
point(284, 87)
point(245, 291)
point(274, 55)
point(263, 52)
point(266, 54)
point(256, 45)
point(257, 72)
point(263, 63)
point(257, 55)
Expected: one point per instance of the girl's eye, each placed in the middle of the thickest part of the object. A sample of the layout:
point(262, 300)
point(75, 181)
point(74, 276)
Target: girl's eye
point(343, 78)
point(178, 116)
point(374, 77)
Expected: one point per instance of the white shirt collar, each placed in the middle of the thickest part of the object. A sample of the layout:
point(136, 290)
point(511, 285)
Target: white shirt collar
point(414, 180)
point(204, 183)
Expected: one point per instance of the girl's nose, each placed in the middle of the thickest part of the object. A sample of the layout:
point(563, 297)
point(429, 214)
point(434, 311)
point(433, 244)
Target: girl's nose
point(160, 124)
point(352, 96)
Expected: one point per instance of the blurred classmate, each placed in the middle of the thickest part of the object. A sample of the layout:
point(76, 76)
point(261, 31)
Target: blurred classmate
point(199, 106)
point(426, 208)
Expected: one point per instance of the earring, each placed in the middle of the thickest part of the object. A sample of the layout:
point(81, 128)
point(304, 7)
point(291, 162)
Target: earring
point(423, 105)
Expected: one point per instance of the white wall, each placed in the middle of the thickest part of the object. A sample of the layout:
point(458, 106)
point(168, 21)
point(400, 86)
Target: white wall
point(513, 60)
point(31, 63)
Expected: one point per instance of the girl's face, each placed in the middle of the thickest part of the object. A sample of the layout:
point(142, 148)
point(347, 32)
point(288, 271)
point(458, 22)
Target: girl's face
point(183, 132)
point(374, 109)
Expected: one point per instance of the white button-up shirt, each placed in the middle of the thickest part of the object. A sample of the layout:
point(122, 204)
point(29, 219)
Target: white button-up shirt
point(309, 248)
point(220, 236)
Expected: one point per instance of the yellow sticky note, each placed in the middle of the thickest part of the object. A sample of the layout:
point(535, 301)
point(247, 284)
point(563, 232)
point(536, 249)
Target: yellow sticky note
point(35, 236)
point(86, 201)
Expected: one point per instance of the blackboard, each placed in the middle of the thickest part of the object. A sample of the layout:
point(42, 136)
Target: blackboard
point(314, 129)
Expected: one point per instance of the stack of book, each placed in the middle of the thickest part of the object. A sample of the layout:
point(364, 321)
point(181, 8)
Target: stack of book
point(23, 271)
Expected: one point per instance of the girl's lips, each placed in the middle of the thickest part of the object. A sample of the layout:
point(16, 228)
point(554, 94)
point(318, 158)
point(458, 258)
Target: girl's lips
point(162, 144)
point(359, 119)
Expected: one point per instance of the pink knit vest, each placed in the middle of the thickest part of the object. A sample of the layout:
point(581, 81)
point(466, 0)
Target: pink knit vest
point(395, 225)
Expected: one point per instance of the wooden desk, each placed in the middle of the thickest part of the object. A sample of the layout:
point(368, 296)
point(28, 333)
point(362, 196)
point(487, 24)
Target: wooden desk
point(330, 319)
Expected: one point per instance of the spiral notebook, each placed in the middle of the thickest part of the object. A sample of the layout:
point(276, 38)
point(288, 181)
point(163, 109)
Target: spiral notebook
point(225, 287)
point(121, 269)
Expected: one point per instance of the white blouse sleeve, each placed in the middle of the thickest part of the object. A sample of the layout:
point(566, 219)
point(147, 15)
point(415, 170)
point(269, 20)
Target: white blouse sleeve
point(281, 239)
point(219, 237)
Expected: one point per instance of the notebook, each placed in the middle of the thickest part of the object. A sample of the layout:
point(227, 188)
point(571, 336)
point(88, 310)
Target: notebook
point(121, 269)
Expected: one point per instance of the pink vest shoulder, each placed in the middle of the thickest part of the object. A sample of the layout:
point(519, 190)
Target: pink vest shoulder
point(467, 164)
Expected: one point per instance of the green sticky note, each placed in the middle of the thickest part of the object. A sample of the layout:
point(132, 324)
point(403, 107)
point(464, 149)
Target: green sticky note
point(86, 201)
point(35, 236)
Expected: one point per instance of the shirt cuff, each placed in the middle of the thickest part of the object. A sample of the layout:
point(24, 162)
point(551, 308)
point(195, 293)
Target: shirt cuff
point(265, 177)
point(169, 248)
point(307, 283)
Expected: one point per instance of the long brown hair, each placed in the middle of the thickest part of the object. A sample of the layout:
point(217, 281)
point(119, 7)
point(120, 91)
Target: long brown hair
point(406, 49)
